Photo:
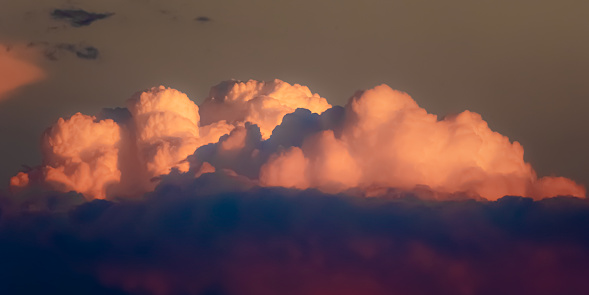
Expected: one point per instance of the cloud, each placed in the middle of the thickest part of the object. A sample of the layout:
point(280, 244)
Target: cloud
point(165, 127)
point(165, 197)
point(54, 51)
point(81, 51)
point(203, 19)
point(178, 240)
point(16, 70)
point(277, 134)
point(123, 151)
point(387, 140)
point(80, 154)
point(261, 103)
point(78, 17)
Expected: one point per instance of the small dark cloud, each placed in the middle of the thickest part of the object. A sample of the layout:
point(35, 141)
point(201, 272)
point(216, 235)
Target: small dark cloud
point(88, 52)
point(53, 51)
point(203, 19)
point(78, 17)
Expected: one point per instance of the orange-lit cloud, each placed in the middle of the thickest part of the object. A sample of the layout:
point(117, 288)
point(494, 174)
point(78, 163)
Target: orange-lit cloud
point(389, 141)
point(381, 139)
point(260, 103)
point(16, 71)
point(91, 156)
point(165, 129)
point(81, 154)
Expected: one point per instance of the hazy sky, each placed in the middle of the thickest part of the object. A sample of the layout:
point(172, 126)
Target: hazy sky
point(523, 65)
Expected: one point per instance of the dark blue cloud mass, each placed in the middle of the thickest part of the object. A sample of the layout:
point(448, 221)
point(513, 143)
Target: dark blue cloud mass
point(234, 238)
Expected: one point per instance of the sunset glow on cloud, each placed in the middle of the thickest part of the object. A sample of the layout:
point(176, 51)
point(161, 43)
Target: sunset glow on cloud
point(260, 103)
point(16, 72)
point(380, 139)
point(164, 197)
point(294, 147)
point(388, 140)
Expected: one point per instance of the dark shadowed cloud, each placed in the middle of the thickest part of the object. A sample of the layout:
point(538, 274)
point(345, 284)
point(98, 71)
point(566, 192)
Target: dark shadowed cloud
point(178, 240)
point(78, 17)
point(203, 19)
point(56, 51)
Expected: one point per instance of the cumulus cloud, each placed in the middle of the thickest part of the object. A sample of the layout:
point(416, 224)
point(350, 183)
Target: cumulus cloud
point(260, 103)
point(376, 197)
point(388, 140)
point(149, 139)
point(16, 71)
point(81, 155)
point(277, 134)
point(166, 129)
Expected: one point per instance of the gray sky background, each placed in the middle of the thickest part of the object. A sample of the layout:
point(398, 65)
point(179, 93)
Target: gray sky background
point(523, 65)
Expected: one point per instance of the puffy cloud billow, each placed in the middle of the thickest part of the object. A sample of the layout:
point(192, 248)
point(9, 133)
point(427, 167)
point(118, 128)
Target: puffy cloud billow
point(260, 103)
point(277, 134)
point(387, 140)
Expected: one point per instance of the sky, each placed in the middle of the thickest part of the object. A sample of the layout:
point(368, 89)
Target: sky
point(281, 147)
point(522, 65)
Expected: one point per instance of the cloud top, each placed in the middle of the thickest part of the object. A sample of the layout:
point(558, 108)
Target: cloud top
point(260, 103)
point(387, 140)
point(277, 134)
